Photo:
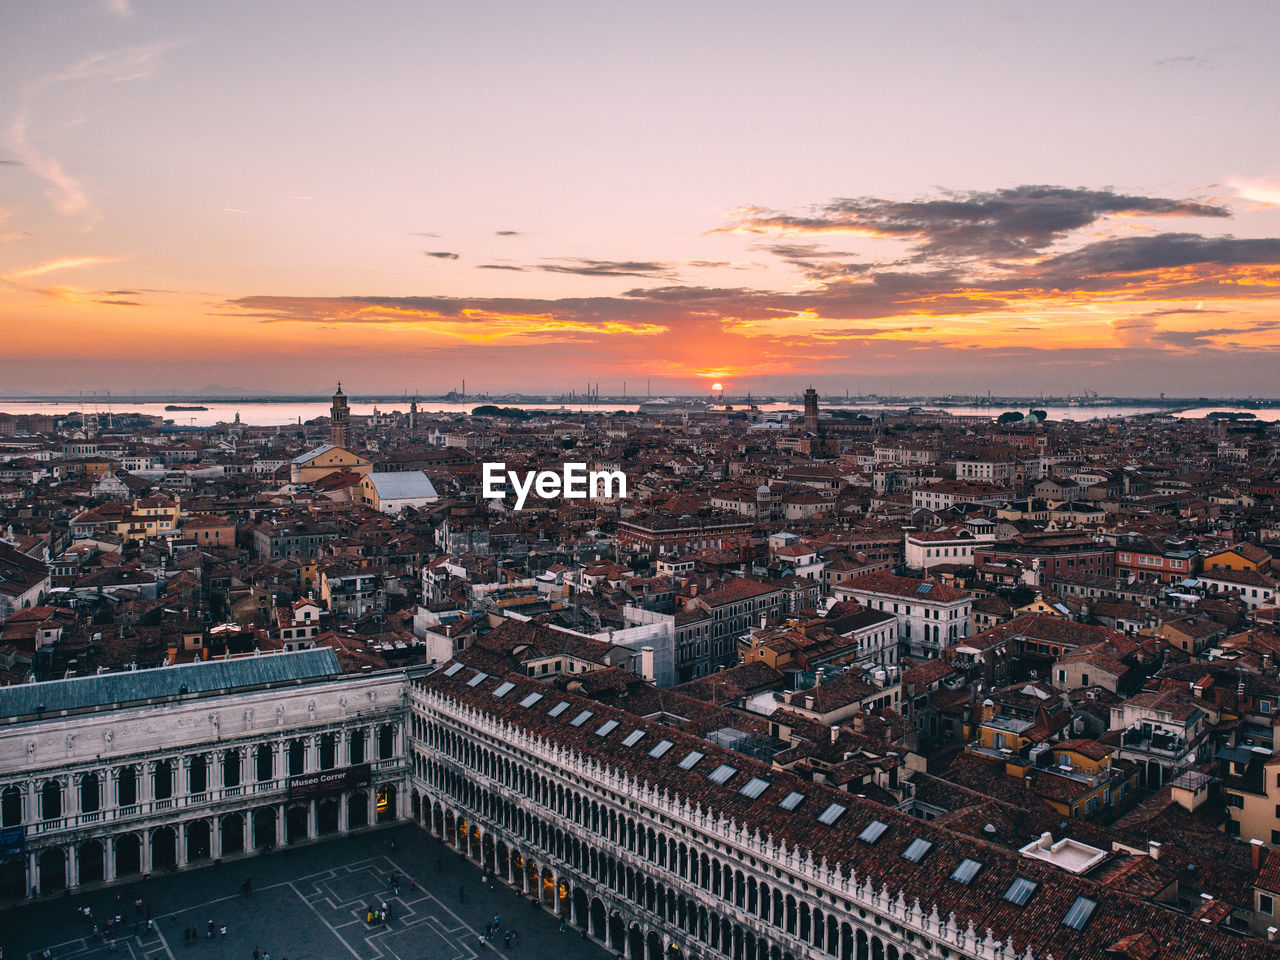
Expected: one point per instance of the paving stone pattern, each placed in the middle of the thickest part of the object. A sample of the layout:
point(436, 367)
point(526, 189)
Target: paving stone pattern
point(306, 903)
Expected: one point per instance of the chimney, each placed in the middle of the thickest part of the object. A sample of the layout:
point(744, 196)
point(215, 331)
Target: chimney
point(1153, 849)
point(821, 675)
point(835, 732)
point(1257, 850)
point(646, 663)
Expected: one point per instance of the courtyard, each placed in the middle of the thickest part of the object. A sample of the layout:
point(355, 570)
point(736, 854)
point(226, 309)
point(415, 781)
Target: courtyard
point(308, 902)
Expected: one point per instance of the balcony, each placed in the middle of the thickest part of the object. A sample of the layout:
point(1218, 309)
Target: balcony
point(1156, 744)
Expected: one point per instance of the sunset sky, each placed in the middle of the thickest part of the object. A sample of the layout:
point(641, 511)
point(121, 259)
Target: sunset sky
point(918, 197)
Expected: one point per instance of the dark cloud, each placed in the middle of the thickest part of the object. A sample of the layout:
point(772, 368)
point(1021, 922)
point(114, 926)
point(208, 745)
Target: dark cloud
point(709, 264)
point(1188, 339)
point(499, 266)
point(506, 233)
point(1006, 224)
point(12, 163)
point(607, 268)
point(1104, 264)
point(435, 235)
point(804, 251)
point(441, 254)
point(119, 303)
point(1176, 311)
point(1184, 61)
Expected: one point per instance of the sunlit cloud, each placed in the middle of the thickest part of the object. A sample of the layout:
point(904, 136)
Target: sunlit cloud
point(67, 191)
point(62, 263)
point(1260, 190)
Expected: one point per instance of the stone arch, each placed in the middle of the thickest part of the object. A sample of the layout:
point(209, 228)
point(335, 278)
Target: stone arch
point(617, 932)
point(264, 762)
point(51, 801)
point(53, 869)
point(91, 861)
point(296, 816)
point(197, 773)
point(164, 848)
point(264, 828)
point(231, 760)
point(328, 751)
point(10, 807)
point(231, 827)
point(128, 854)
point(162, 780)
point(328, 814)
point(198, 836)
point(531, 878)
point(90, 793)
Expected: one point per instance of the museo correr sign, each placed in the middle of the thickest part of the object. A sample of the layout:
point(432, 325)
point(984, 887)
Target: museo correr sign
point(324, 782)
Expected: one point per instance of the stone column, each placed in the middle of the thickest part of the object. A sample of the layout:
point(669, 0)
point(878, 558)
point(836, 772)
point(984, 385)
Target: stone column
point(343, 812)
point(146, 781)
point(180, 832)
point(311, 754)
point(71, 798)
point(33, 873)
point(281, 813)
point(311, 820)
point(108, 859)
point(144, 851)
point(72, 856)
point(215, 773)
point(215, 837)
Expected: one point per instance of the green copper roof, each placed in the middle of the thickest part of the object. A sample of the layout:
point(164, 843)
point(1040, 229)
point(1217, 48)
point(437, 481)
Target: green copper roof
point(214, 676)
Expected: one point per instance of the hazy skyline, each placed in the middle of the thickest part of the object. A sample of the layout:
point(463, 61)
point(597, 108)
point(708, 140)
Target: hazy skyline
point(917, 198)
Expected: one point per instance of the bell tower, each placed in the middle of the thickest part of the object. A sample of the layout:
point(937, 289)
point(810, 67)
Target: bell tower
point(339, 419)
point(811, 410)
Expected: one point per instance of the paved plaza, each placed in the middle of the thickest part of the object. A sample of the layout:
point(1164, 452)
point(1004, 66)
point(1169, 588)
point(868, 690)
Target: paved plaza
point(304, 903)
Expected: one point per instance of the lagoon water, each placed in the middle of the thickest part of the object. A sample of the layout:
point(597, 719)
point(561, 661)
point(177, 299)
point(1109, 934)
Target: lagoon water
point(282, 413)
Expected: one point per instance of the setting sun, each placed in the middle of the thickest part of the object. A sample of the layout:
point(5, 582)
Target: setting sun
point(717, 386)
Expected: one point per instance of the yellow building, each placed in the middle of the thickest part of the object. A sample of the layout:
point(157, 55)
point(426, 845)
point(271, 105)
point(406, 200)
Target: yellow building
point(1241, 556)
point(1252, 795)
point(324, 460)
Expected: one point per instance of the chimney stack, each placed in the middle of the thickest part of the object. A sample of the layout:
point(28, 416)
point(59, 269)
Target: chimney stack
point(1257, 850)
point(646, 663)
point(1153, 849)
